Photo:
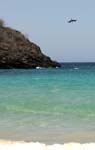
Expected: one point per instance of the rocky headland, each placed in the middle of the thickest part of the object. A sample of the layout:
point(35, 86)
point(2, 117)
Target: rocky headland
point(17, 51)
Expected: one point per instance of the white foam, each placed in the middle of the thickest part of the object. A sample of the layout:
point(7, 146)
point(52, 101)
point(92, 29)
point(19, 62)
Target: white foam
point(9, 145)
point(76, 68)
point(38, 67)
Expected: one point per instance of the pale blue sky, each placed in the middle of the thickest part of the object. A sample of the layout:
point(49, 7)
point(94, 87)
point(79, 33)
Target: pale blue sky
point(45, 23)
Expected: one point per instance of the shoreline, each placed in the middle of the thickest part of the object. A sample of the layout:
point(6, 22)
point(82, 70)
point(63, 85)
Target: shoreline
point(51, 139)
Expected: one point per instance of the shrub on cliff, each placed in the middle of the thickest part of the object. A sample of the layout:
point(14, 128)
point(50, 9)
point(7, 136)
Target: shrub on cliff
point(2, 23)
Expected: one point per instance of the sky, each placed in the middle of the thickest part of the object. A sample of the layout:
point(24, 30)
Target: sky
point(45, 23)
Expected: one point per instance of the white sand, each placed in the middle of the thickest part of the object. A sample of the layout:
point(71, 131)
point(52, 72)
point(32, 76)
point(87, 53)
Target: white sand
point(9, 145)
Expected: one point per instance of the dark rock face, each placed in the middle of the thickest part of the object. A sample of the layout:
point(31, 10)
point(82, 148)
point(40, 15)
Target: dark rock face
point(16, 51)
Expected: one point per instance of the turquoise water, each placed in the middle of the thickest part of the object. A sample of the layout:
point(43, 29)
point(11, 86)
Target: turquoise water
point(48, 105)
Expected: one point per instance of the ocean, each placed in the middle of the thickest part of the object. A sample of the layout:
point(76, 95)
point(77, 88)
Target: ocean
point(55, 105)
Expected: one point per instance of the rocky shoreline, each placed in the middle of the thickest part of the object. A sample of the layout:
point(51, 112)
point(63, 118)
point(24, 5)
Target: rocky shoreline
point(16, 51)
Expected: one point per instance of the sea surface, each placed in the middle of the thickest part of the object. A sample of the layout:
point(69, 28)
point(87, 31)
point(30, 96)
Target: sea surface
point(48, 105)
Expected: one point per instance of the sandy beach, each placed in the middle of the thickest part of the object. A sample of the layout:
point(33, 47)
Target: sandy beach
point(12, 145)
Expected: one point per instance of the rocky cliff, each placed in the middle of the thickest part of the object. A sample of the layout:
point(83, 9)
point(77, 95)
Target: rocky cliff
point(16, 51)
